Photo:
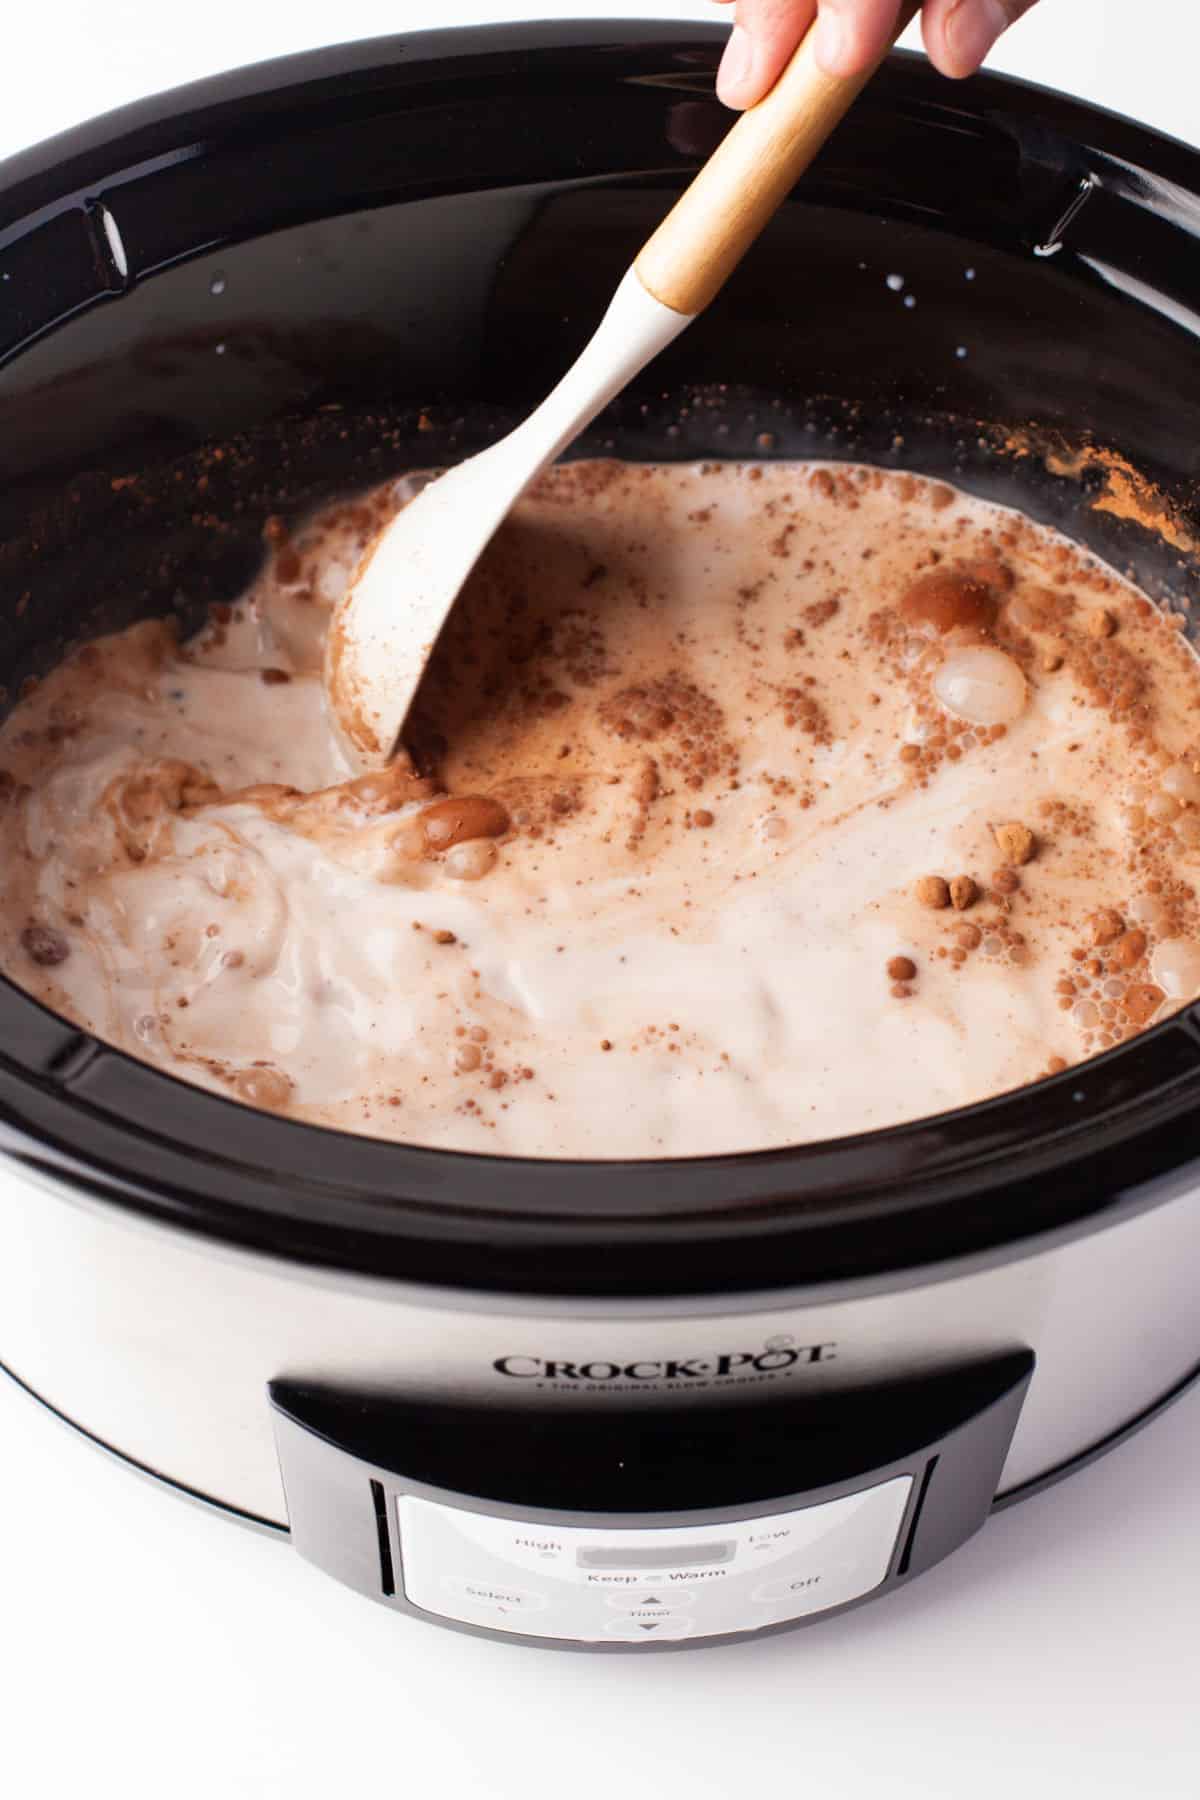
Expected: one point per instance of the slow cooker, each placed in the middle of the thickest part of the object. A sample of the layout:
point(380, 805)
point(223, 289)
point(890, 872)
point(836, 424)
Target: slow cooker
point(604, 1405)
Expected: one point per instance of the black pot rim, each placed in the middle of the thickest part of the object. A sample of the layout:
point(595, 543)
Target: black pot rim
point(1071, 1153)
point(72, 160)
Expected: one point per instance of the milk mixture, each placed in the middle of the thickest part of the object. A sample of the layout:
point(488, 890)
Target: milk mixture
point(748, 805)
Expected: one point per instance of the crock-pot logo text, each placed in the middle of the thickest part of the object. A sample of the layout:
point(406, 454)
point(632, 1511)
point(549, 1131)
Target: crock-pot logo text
point(779, 1356)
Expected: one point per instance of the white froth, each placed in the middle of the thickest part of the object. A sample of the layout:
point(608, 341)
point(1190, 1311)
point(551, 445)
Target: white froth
point(698, 969)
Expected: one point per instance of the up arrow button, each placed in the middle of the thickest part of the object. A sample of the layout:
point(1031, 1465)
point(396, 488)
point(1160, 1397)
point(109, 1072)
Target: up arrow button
point(632, 1602)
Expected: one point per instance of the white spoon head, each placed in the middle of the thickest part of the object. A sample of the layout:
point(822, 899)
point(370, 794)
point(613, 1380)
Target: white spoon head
point(385, 629)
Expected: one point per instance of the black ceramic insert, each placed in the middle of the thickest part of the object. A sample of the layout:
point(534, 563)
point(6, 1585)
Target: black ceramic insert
point(253, 294)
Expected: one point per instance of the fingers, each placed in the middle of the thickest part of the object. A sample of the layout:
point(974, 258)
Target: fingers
point(960, 33)
point(851, 35)
point(763, 40)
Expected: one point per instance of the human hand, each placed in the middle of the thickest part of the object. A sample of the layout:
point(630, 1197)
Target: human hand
point(851, 35)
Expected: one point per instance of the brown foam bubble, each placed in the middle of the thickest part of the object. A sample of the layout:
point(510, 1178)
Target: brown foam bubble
point(953, 599)
point(461, 817)
point(673, 713)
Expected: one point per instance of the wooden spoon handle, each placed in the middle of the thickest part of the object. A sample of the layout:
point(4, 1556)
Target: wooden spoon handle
point(703, 239)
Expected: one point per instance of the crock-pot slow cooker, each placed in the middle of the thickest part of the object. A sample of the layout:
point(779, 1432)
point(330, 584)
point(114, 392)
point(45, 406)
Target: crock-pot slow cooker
point(583, 1404)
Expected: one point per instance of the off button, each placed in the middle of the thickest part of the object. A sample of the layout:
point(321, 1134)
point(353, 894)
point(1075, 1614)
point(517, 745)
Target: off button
point(792, 1587)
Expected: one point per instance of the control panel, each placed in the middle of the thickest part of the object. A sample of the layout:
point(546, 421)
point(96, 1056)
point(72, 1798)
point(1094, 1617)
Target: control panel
point(623, 1529)
point(640, 1586)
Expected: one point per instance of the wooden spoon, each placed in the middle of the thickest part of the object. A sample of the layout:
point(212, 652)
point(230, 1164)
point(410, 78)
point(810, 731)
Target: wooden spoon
point(385, 629)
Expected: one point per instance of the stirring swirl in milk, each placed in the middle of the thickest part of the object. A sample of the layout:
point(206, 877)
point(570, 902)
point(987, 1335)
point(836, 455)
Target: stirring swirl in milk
point(749, 805)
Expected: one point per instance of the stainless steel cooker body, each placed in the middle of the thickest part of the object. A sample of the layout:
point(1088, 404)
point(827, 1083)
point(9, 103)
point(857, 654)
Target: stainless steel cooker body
point(169, 1349)
point(589, 1405)
point(163, 1345)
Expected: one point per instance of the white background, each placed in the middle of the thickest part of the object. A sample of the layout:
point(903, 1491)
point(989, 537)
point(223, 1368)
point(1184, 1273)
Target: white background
point(148, 1648)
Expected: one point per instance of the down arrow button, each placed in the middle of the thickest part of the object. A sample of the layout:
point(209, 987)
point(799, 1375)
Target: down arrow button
point(666, 1625)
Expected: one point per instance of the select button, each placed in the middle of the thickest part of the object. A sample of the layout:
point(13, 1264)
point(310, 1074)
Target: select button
point(497, 1596)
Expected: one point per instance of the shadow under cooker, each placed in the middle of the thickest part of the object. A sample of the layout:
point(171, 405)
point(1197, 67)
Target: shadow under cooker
point(301, 279)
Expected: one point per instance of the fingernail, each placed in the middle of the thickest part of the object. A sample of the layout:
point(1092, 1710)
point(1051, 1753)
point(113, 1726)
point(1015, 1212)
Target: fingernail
point(737, 65)
point(971, 30)
point(832, 42)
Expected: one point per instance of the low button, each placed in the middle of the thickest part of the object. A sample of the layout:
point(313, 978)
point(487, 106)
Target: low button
point(646, 1627)
point(497, 1596)
point(650, 1600)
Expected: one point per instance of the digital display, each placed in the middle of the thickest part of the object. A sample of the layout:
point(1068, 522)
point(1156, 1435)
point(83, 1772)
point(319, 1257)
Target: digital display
point(648, 1556)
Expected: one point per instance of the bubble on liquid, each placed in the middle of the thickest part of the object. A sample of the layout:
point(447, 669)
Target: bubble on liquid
point(969, 274)
point(1182, 781)
point(217, 285)
point(221, 348)
point(961, 352)
point(1175, 967)
point(981, 685)
point(1024, 611)
point(1164, 809)
point(896, 283)
point(1147, 911)
point(401, 849)
point(263, 1086)
point(910, 300)
point(471, 861)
